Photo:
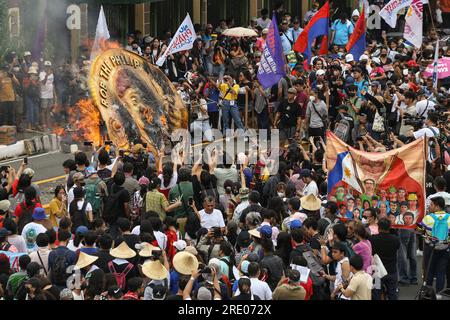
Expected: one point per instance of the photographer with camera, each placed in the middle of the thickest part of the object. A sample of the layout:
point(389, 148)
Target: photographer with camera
point(209, 290)
point(209, 244)
point(431, 131)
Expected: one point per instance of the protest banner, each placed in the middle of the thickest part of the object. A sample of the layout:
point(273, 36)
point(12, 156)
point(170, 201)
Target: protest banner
point(390, 10)
point(393, 177)
point(183, 40)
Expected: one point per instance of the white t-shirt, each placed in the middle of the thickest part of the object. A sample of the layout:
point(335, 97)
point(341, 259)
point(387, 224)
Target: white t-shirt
point(173, 181)
point(426, 132)
point(161, 238)
point(238, 211)
point(442, 194)
point(259, 288)
point(215, 219)
point(311, 188)
point(30, 233)
point(47, 88)
point(19, 242)
point(421, 106)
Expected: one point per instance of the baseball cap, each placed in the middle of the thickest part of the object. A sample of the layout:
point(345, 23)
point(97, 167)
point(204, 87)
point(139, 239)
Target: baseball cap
point(305, 173)
point(204, 294)
point(78, 176)
point(364, 57)
point(375, 83)
point(244, 266)
point(29, 172)
point(284, 22)
point(27, 53)
point(266, 231)
point(180, 245)
point(159, 292)
point(292, 90)
point(320, 72)
point(4, 205)
point(90, 171)
point(81, 230)
point(296, 224)
point(115, 292)
point(349, 58)
point(47, 64)
point(3, 232)
point(265, 31)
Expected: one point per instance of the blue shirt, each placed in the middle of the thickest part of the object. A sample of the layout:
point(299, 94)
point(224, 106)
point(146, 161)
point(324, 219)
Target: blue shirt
point(213, 94)
point(295, 33)
point(362, 85)
point(287, 46)
point(342, 32)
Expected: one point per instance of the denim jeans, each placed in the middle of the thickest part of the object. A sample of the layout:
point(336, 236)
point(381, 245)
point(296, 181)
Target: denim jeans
point(407, 256)
point(32, 111)
point(215, 69)
point(438, 266)
point(231, 112)
point(263, 119)
point(389, 286)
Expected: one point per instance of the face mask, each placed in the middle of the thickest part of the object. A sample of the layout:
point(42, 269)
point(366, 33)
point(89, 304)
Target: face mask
point(312, 98)
point(364, 221)
point(281, 194)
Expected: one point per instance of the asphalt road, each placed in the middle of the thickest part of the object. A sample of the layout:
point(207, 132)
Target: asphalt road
point(48, 174)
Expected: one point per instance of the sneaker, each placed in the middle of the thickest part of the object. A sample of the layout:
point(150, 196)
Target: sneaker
point(419, 253)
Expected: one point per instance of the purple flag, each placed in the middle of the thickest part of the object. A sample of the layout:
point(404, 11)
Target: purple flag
point(272, 67)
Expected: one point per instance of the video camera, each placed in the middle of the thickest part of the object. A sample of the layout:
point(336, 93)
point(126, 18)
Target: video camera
point(415, 121)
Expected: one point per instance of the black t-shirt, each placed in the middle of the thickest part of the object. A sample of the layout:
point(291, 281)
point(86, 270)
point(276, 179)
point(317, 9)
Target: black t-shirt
point(122, 196)
point(130, 239)
point(289, 113)
point(314, 242)
point(241, 96)
point(386, 246)
point(251, 208)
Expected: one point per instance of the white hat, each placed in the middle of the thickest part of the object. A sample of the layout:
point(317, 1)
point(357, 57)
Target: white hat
point(47, 64)
point(376, 60)
point(355, 13)
point(265, 31)
point(320, 72)
point(29, 172)
point(27, 53)
point(32, 70)
point(180, 245)
point(35, 64)
point(349, 58)
point(364, 57)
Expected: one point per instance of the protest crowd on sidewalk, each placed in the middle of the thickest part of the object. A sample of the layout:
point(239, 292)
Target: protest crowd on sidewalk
point(131, 225)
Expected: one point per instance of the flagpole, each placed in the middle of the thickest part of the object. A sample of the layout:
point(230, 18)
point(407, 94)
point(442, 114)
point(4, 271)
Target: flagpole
point(431, 16)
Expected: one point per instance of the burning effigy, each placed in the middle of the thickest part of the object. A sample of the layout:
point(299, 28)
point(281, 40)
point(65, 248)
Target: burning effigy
point(135, 99)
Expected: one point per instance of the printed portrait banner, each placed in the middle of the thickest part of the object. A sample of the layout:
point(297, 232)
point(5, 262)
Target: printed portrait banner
point(378, 174)
point(182, 41)
point(414, 23)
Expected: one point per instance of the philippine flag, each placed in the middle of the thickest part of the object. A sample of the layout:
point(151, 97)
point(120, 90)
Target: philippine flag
point(344, 170)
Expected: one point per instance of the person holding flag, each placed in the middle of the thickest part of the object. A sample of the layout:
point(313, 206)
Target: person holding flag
point(317, 26)
point(357, 42)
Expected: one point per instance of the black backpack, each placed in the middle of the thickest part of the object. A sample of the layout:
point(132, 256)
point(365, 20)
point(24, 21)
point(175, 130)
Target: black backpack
point(79, 217)
point(58, 273)
point(110, 205)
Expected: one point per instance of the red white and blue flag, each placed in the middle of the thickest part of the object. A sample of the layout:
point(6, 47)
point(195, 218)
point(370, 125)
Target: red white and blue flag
point(317, 26)
point(357, 43)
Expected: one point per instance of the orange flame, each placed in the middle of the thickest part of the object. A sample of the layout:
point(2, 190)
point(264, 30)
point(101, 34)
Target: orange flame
point(89, 122)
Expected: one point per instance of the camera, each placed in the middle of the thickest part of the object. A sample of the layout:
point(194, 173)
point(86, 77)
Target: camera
point(217, 232)
point(206, 270)
point(415, 121)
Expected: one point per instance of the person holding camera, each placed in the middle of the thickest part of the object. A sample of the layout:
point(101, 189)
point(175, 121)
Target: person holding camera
point(431, 131)
point(209, 245)
point(230, 111)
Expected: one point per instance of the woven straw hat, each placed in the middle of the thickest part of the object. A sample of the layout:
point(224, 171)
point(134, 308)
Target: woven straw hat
point(123, 251)
point(85, 260)
point(154, 270)
point(310, 202)
point(185, 262)
point(147, 249)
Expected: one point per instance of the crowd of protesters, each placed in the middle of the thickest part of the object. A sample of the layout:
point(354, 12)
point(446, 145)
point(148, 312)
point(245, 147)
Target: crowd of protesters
point(139, 227)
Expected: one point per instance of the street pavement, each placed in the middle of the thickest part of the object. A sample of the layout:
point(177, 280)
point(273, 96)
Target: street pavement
point(49, 173)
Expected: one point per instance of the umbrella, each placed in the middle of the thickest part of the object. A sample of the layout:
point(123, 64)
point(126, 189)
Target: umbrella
point(443, 69)
point(240, 32)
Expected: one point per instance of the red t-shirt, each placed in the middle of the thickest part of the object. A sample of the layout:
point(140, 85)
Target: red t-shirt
point(18, 211)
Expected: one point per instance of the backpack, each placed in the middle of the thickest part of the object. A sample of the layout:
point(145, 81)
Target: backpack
point(58, 272)
point(314, 264)
point(342, 129)
point(121, 278)
point(331, 224)
point(440, 230)
point(79, 218)
point(26, 217)
point(110, 207)
point(93, 196)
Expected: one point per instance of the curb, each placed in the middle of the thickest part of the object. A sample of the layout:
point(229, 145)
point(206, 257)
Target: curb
point(35, 145)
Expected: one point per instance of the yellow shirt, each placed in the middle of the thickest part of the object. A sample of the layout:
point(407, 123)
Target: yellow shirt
point(224, 87)
point(6, 89)
point(55, 212)
point(155, 201)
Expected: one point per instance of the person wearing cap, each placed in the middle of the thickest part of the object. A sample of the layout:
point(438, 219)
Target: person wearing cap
point(316, 115)
point(344, 117)
point(96, 191)
point(288, 118)
point(377, 73)
point(287, 38)
point(296, 29)
point(310, 184)
point(47, 94)
point(31, 92)
point(244, 204)
point(115, 293)
point(355, 17)
point(33, 229)
point(424, 104)
point(78, 179)
point(5, 206)
point(310, 13)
